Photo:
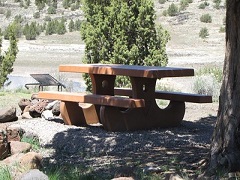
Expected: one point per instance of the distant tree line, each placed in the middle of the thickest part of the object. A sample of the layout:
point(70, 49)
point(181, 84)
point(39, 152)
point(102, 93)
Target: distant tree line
point(34, 29)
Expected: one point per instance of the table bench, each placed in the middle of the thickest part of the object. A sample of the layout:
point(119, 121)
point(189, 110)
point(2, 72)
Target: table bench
point(173, 96)
point(74, 113)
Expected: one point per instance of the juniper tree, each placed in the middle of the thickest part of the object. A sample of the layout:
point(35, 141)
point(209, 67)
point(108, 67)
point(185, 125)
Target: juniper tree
point(123, 32)
point(7, 59)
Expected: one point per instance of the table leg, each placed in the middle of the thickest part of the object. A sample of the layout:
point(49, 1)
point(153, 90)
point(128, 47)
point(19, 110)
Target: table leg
point(151, 116)
point(79, 115)
point(104, 85)
point(115, 119)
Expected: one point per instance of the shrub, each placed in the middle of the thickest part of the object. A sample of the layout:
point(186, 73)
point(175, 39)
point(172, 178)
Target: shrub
point(203, 33)
point(47, 18)
point(161, 1)
point(206, 18)
point(40, 5)
point(61, 29)
point(8, 13)
point(207, 85)
point(36, 15)
point(183, 4)
point(217, 4)
point(78, 23)
point(202, 6)
point(31, 31)
point(222, 29)
point(51, 10)
point(172, 10)
point(214, 71)
point(71, 26)
point(165, 13)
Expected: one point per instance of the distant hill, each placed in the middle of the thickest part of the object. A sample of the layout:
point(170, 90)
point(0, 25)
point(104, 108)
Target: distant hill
point(184, 27)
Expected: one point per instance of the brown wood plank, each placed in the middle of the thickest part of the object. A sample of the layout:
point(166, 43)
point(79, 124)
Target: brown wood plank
point(93, 99)
point(127, 70)
point(174, 96)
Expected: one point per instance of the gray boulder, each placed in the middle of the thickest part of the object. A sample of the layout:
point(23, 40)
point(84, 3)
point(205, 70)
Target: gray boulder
point(34, 174)
point(8, 114)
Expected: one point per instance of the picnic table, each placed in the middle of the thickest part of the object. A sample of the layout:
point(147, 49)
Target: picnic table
point(120, 109)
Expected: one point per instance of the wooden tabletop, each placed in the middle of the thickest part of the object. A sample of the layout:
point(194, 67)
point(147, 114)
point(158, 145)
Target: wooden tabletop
point(127, 70)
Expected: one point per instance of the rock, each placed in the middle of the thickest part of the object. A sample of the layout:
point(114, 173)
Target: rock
point(26, 115)
point(56, 109)
point(31, 160)
point(34, 96)
point(20, 147)
point(175, 177)
point(37, 109)
point(5, 149)
point(50, 105)
point(13, 134)
point(33, 174)
point(47, 114)
point(12, 160)
point(8, 114)
point(23, 103)
point(123, 178)
point(26, 109)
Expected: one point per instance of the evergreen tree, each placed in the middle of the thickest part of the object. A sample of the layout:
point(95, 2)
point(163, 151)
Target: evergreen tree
point(71, 26)
point(61, 28)
point(50, 28)
point(123, 32)
point(7, 60)
point(77, 26)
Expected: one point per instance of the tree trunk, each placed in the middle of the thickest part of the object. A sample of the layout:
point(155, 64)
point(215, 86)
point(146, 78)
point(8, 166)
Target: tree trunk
point(225, 146)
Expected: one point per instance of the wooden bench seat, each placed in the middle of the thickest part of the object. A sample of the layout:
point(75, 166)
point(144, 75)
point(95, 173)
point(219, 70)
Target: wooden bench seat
point(76, 110)
point(173, 96)
point(105, 100)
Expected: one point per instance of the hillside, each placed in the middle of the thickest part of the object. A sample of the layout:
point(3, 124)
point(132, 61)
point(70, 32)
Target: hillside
point(185, 48)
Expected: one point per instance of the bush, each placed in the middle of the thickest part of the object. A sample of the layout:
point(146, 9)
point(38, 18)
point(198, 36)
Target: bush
point(165, 13)
point(8, 13)
point(172, 10)
point(161, 1)
point(207, 85)
point(202, 6)
point(51, 10)
point(40, 5)
point(183, 5)
point(36, 15)
point(206, 18)
point(203, 33)
point(78, 23)
point(31, 31)
point(71, 26)
point(222, 29)
point(214, 71)
point(217, 4)
point(47, 18)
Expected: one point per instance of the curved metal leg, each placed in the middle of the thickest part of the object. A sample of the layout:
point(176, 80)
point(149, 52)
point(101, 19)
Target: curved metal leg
point(115, 119)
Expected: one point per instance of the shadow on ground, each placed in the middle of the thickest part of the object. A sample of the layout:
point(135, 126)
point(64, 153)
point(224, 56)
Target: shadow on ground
point(109, 154)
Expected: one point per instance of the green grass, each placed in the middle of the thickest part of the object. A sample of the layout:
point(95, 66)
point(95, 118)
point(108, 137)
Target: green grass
point(33, 141)
point(5, 173)
point(65, 172)
point(12, 98)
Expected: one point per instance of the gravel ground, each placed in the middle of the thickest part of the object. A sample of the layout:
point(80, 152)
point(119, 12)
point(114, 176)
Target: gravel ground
point(183, 147)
